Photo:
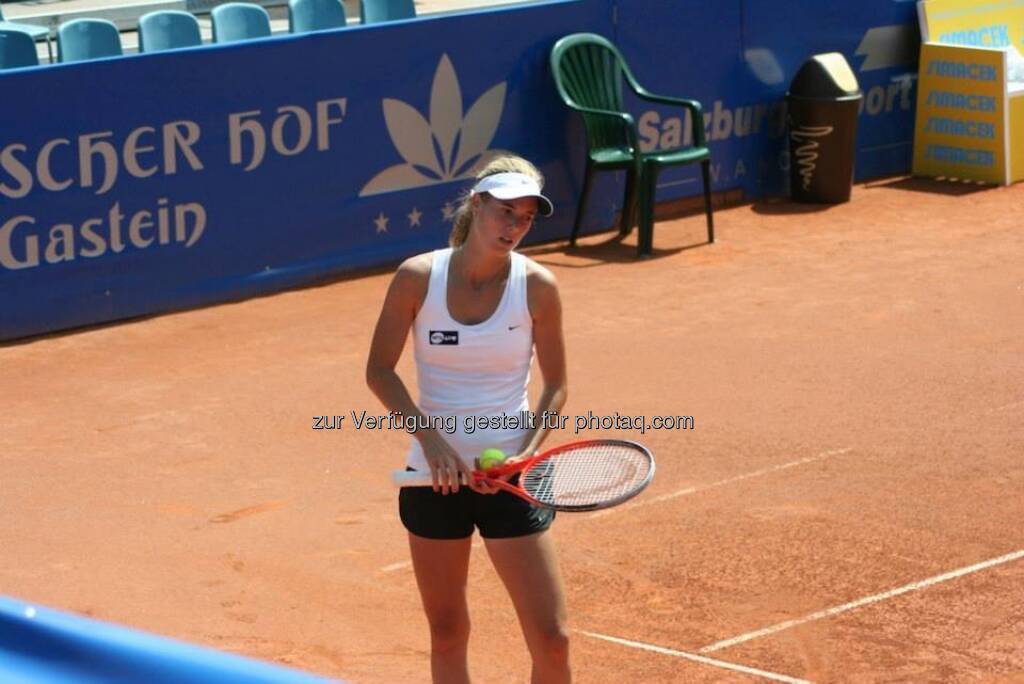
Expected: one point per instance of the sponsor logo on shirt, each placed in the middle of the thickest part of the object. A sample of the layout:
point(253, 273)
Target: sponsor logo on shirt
point(444, 337)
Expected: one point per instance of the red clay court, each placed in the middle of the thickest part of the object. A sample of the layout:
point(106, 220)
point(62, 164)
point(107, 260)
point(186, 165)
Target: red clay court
point(847, 508)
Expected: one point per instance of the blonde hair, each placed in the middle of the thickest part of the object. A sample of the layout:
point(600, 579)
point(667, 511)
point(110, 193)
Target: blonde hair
point(503, 164)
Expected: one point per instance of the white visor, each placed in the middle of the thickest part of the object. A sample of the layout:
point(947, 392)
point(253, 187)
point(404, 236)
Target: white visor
point(508, 186)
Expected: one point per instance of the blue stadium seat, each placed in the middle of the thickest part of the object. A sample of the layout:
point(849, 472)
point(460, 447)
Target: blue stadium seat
point(239, 21)
point(168, 30)
point(36, 32)
point(17, 49)
point(82, 39)
point(315, 15)
point(373, 11)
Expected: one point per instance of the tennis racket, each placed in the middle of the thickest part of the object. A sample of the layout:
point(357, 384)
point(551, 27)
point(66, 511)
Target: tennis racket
point(582, 476)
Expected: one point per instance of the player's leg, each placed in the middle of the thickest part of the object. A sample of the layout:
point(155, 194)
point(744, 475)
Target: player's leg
point(440, 530)
point(528, 566)
point(441, 567)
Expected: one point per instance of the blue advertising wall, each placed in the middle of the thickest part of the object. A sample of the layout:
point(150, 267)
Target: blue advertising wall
point(738, 56)
point(163, 181)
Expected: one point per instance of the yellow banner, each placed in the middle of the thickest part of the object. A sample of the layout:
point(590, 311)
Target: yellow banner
point(960, 130)
point(979, 23)
point(1016, 133)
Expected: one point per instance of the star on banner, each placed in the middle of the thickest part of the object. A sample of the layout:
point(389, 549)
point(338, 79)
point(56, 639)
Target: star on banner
point(448, 210)
point(382, 223)
point(414, 217)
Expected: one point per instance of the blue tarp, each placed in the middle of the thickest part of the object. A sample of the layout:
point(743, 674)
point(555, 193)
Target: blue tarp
point(39, 645)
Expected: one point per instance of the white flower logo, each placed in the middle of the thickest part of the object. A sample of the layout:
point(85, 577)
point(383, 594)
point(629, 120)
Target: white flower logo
point(448, 147)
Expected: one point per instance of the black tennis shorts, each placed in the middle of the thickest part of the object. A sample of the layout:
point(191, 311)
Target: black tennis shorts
point(453, 516)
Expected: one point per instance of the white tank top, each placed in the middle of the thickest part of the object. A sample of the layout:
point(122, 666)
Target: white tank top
point(473, 372)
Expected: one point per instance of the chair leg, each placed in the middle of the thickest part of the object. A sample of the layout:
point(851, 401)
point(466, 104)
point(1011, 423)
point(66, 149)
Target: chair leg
point(705, 167)
point(588, 177)
point(629, 202)
point(649, 179)
point(641, 213)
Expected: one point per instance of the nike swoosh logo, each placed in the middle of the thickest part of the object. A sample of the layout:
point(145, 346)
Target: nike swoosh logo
point(512, 327)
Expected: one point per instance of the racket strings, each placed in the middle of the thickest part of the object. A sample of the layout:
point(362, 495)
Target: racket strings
point(589, 476)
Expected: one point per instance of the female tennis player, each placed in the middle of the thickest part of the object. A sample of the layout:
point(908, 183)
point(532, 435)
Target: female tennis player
point(478, 311)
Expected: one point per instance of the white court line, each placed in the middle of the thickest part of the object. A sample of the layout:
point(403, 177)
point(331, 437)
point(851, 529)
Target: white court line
point(669, 184)
point(700, 488)
point(696, 658)
point(1016, 555)
point(396, 566)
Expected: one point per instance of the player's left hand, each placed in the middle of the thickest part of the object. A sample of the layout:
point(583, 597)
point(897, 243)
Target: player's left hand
point(482, 486)
point(521, 456)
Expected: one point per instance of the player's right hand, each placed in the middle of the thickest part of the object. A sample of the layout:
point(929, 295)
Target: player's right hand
point(445, 464)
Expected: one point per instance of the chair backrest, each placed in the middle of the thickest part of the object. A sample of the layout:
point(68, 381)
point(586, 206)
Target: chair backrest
point(315, 15)
point(17, 49)
point(374, 11)
point(239, 21)
point(82, 39)
point(589, 72)
point(168, 30)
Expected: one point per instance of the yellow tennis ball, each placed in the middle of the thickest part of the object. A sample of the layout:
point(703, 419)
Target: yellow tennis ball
point(491, 458)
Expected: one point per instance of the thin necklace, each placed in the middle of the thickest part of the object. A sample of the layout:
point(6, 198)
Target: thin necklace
point(500, 276)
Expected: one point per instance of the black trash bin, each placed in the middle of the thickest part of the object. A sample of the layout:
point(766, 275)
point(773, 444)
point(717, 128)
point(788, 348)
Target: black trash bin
point(822, 102)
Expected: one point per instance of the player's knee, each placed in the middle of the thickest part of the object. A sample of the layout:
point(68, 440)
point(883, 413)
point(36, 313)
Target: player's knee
point(449, 632)
point(552, 644)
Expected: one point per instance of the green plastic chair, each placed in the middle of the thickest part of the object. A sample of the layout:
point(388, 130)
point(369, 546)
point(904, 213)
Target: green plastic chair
point(589, 72)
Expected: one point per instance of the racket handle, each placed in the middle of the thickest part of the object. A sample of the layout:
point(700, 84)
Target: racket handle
point(414, 478)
